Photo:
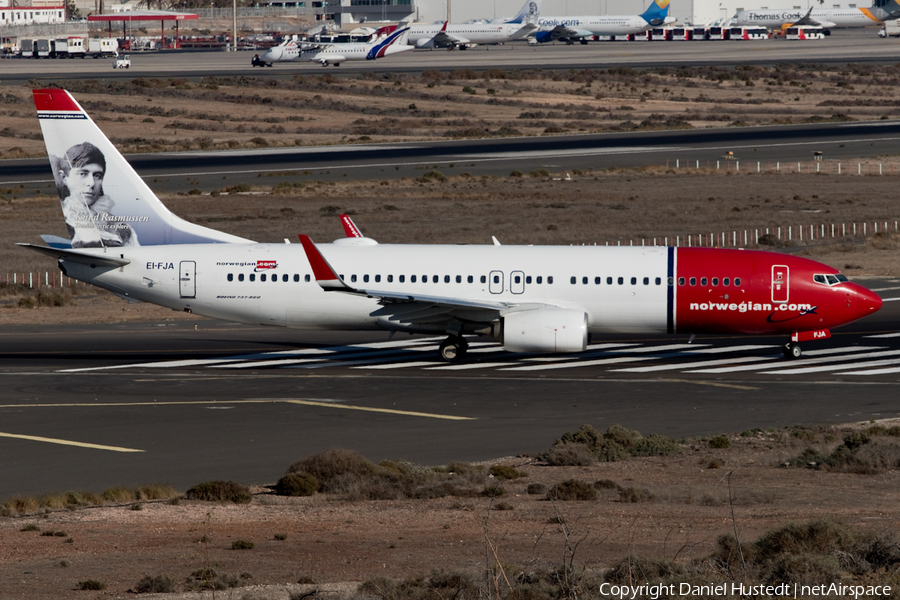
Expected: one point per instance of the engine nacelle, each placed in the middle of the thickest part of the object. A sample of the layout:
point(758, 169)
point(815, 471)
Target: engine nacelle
point(423, 43)
point(545, 330)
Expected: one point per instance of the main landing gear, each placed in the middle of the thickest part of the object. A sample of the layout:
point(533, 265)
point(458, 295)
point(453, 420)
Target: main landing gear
point(453, 349)
point(792, 350)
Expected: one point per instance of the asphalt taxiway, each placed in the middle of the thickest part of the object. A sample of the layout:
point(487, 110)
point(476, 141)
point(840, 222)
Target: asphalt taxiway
point(91, 406)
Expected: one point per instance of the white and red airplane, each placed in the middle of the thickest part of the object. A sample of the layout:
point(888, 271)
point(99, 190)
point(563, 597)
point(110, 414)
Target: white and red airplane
point(529, 298)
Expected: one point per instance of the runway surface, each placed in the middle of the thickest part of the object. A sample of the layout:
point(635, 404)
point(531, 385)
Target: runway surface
point(88, 407)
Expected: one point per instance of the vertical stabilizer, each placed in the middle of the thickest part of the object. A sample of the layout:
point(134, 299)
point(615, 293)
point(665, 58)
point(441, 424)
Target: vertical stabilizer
point(657, 13)
point(105, 202)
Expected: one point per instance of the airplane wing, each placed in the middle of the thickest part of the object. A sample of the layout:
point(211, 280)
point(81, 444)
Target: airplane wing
point(560, 32)
point(79, 256)
point(442, 39)
point(411, 308)
point(526, 30)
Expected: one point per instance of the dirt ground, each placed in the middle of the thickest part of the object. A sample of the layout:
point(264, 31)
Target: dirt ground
point(336, 543)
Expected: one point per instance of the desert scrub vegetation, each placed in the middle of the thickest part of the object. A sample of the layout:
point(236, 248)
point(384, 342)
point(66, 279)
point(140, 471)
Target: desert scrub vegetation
point(865, 452)
point(23, 505)
point(352, 476)
point(587, 446)
point(220, 491)
point(803, 553)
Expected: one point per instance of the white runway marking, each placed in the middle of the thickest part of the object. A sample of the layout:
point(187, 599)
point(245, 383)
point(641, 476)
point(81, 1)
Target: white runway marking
point(586, 363)
point(799, 363)
point(705, 363)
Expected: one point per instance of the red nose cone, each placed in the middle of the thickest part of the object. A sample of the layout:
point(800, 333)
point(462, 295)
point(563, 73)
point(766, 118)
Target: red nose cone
point(862, 302)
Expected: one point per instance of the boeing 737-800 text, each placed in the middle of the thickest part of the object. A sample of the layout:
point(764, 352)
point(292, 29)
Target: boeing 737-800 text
point(539, 299)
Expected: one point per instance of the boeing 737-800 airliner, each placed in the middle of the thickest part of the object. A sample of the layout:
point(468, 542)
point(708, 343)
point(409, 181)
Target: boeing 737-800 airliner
point(539, 299)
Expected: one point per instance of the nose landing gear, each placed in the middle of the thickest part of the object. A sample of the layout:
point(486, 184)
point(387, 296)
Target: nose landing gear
point(792, 350)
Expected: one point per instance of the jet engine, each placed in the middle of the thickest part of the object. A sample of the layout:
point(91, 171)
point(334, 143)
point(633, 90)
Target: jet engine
point(423, 43)
point(545, 330)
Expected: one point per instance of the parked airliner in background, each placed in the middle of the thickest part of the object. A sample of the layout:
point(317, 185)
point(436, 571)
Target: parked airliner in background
point(822, 17)
point(465, 35)
point(536, 299)
point(571, 29)
point(336, 53)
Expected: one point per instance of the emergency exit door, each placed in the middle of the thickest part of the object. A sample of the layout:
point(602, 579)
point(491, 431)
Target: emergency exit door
point(187, 274)
point(780, 284)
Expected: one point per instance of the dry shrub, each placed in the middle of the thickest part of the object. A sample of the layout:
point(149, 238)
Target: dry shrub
point(617, 443)
point(297, 484)
point(220, 491)
point(572, 490)
point(161, 584)
point(506, 472)
point(570, 454)
point(634, 494)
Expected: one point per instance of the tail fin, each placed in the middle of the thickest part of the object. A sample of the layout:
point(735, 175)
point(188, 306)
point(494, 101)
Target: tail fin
point(657, 13)
point(529, 13)
point(104, 201)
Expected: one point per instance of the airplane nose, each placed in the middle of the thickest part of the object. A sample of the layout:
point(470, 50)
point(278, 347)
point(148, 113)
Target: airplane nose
point(863, 301)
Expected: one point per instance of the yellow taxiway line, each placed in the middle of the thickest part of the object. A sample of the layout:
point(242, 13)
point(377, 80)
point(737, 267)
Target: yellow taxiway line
point(36, 438)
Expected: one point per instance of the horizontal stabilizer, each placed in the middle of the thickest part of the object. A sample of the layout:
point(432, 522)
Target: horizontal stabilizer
point(79, 256)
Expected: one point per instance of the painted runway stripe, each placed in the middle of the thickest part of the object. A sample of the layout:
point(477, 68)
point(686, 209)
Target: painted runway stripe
point(884, 335)
point(872, 372)
point(704, 363)
point(46, 440)
point(157, 365)
point(659, 348)
point(323, 403)
point(803, 363)
point(468, 366)
point(802, 370)
point(586, 363)
point(731, 349)
point(404, 365)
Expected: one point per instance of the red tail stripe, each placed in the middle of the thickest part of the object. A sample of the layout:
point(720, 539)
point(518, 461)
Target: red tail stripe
point(54, 100)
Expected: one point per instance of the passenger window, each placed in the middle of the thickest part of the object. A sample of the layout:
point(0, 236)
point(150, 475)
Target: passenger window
point(496, 279)
point(737, 282)
point(412, 278)
point(424, 278)
point(528, 279)
point(715, 281)
point(584, 280)
point(296, 277)
point(307, 278)
point(353, 278)
point(262, 277)
point(609, 280)
point(446, 279)
point(597, 280)
point(540, 279)
point(693, 281)
point(459, 279)
point(572, 280)
point(483, 279)
point(434, 279)
point(240, 276)
point(470, 279)
point(681, 281)
point(703, 281)
point(231, 277)
point(518, 279)
point(659, 281)
point(549, 279)
point(252, 277)
point(401, 278)
point(390, 279)
point(284, 278)
point(365, 279)
point(634, 281)
point(726, 281)
point(378, 279)
point(274, 278)
point(647, 281)
point(621, 280)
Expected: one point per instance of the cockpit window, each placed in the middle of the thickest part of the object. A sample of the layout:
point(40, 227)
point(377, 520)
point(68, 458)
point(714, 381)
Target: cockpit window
point(830, 279)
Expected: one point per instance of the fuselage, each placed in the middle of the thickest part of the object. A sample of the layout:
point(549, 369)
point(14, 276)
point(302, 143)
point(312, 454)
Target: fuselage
point(837, 17)
point(475, 33)
point(621, 290)
point(597, 25)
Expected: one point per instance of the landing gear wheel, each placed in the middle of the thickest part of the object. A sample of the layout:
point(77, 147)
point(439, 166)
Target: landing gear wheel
point(453, 349)
point(792, 350)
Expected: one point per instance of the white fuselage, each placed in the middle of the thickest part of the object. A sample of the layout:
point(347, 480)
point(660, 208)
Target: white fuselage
point(470, 33)
point(597, 25)
point(272, 284)
point(837, 17)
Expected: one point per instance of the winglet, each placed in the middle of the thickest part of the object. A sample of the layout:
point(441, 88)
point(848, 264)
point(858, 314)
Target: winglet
point(444, 28)
point(350, 228)
point(325, 276)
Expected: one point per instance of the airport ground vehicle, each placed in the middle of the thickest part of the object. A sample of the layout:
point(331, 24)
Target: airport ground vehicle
point(804, 32)
point(123, 62)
